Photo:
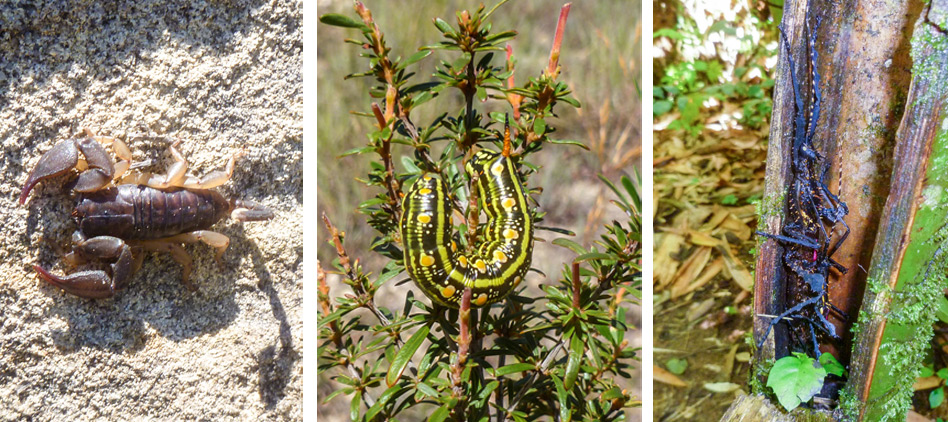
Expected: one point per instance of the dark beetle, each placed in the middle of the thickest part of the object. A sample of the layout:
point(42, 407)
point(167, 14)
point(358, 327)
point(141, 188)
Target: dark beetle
point(122, 213)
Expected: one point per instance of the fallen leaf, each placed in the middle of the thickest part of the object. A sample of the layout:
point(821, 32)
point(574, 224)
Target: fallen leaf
point(689, 271)
point(661, 375)
point(721, 387)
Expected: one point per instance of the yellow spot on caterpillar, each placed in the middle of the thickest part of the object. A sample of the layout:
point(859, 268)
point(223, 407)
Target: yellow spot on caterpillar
point(508, 203)
point(448, 291)
point(500, 256)
point(427, 177)
point(462, 260)
point(427, 260)
point(454, 246)
point(424, 191)
point(424, 218)
point(517, 281)
point(480, 265)
point(510, 234)
point(481, 300)
point(497, 169)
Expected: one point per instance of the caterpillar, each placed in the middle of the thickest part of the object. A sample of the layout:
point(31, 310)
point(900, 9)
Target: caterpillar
point(498, 262)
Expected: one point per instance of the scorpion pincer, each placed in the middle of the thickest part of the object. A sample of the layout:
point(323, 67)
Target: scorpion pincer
point(123, 212)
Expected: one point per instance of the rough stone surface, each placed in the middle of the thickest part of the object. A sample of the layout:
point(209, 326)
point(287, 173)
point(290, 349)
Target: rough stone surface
point(221, 76)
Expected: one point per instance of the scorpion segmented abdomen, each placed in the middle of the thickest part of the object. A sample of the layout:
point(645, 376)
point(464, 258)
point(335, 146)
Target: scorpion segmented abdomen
point(142, 212)
point(163, 213)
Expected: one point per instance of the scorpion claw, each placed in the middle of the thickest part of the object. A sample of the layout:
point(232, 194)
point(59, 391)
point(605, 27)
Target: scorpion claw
point(87, 284)
point(64, 156)
point(57, 161)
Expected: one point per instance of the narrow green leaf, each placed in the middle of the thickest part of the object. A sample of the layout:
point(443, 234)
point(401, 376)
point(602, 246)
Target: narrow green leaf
point(344, 21)
point(427, 390)
point(414, 58)
point(360, 150)
point(561, 397)
point(355, 406)
point(382, 401)
point(405, 354)
point(439, 415)
point(443, 26)
point(568, 142)
point(514, 368)
point(576, 348)
point(599, 256)
point(569, 244)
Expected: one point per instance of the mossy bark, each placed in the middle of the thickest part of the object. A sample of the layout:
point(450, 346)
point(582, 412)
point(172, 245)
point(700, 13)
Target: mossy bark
point(910, 257)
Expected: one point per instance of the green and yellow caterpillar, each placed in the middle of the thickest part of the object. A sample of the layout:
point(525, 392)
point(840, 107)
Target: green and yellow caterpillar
point(497, 264)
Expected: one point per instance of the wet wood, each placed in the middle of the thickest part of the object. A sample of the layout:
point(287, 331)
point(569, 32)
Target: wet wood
point(864, 64)
point(908, 241)
point(757, 408)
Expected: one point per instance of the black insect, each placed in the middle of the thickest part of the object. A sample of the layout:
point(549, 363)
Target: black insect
point(810, 234)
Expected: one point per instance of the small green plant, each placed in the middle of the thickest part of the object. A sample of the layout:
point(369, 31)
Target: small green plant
point(937, 396)
point(796, 378)
point(689, 86)
point(555, 357)
point(676, 366)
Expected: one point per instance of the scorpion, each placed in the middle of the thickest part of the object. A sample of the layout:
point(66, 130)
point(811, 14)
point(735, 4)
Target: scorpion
point(810, 235)
point(123, 212)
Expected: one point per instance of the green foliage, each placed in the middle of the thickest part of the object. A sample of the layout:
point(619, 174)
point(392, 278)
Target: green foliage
point(832, 366)
point(691, 86)
point(796, 379)
point(676, 366)
point(937, 395)
point(528, 358)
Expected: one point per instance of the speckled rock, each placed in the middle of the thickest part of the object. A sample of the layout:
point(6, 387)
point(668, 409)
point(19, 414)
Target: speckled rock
point(221, 76)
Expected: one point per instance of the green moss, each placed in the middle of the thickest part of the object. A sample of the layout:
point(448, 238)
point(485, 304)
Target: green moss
point(912, 302)
point(929, 50)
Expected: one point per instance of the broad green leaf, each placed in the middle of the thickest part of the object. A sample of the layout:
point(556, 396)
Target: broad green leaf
point(661, 107)
point(831, 365)
point(405, 354)
point(795, 379)
point(676, 366)
point(942, 311)
point(936, 397)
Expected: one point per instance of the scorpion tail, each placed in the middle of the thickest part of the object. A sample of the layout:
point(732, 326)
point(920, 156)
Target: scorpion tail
point(244, 210)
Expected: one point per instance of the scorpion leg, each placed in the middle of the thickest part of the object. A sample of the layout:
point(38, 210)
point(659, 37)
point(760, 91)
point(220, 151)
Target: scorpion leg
point(178, 254)
point(177, 174)
point(96, 284)
point(97, 169)
point(214, 178)
point(213, 239)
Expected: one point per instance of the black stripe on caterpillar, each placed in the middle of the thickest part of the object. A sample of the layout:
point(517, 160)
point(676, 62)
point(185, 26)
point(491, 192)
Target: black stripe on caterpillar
point(498, 263)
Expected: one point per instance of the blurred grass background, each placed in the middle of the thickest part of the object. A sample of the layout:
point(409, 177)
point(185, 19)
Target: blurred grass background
point(600, 61)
